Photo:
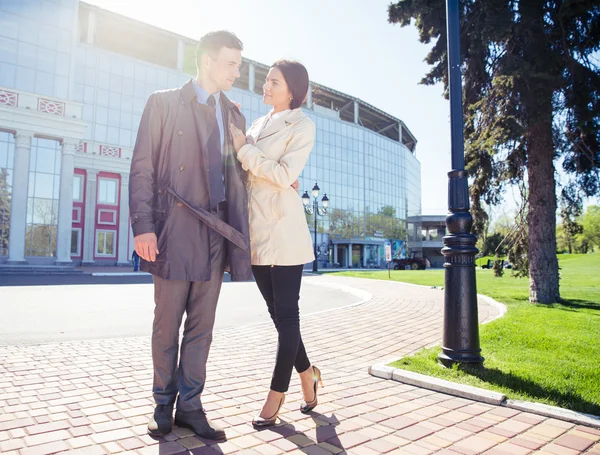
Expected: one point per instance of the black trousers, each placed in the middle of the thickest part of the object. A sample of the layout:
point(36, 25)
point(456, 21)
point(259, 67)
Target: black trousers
point(280, 287)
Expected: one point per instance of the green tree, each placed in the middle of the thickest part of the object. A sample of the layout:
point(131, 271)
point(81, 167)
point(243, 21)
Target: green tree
point(344, 223)
point(385, 220)
point(494, 244)
point(591, 225)
point(531, 96)
point(5, 197)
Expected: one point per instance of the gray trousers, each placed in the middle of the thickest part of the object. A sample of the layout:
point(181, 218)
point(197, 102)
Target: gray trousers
point(198, 299)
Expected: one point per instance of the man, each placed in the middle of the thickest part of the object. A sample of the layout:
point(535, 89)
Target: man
point(189, 211)
point(136, 261)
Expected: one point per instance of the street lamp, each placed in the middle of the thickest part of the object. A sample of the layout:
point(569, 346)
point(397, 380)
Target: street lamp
point(460, 341)
point(316, 210)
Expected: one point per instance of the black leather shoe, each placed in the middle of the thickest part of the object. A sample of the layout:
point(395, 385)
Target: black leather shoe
point(199, 424)
point(161, 422)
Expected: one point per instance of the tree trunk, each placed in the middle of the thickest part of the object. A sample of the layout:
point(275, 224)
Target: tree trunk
point(541, 219)
point(537, 94)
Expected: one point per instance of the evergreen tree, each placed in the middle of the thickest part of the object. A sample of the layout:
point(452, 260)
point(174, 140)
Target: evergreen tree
point(531, 96)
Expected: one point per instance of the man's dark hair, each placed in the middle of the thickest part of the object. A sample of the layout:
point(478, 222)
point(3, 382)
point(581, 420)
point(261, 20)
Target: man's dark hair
point(213, 42)
point(296, 78)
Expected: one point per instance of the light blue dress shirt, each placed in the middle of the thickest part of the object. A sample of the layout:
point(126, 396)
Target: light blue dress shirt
point(202, 99)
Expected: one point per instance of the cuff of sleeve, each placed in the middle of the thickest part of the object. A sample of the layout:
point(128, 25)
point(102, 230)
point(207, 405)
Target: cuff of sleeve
point(243, 152)
point(142, 227)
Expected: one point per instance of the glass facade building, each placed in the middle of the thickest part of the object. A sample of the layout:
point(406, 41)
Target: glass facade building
point(74, 80)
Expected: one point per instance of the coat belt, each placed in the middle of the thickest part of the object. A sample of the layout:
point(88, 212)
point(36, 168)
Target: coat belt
point(215, 223)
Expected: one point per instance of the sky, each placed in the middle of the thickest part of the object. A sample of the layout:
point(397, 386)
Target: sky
point(348, 46)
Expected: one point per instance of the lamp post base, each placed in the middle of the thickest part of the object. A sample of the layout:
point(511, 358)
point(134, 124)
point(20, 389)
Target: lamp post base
point(460, 343)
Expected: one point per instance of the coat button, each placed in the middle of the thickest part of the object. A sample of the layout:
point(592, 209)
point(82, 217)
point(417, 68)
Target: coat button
point(180, 133)
point(179, 204)
point(181, 168)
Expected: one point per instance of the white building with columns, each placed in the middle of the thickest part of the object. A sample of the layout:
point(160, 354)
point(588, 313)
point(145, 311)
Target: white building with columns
point(74, 80)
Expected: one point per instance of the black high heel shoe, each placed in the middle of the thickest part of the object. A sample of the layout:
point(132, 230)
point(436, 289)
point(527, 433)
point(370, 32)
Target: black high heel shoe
point(259, 422)
point(309, 406)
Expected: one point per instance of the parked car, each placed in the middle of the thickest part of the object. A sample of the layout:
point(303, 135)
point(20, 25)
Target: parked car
point(415, 261)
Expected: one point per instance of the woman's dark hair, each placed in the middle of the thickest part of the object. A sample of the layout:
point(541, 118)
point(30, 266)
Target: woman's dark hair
point(296, 78)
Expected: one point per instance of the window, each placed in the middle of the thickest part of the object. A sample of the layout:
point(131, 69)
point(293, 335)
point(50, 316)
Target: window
point(76, 242)
point(107, 191)
point(42, 200)
point(105, 243)
point(77, 188)
point(7, 150)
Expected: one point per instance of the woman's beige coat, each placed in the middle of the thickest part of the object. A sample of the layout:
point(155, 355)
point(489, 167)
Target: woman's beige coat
point(275, 157)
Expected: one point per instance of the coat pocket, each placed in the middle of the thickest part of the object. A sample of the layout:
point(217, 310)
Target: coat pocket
point(289, 203)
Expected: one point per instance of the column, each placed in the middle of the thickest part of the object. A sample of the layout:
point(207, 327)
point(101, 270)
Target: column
point(130, 245)
point(65, 202)
point(251, 77)
point(18, 207)
point(350, 256)
point(309, 99)
point(91, 32)
point(89, 237)
point(335, 252)
point(180, 54)
point(356, 111)
point(123, 250)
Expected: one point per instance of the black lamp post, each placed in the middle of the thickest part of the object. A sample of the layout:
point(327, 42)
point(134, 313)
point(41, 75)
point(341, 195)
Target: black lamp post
point(316, 210)
point(460, 342)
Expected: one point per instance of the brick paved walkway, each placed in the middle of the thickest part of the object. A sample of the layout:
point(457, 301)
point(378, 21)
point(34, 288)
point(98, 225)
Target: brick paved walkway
point(94, 396)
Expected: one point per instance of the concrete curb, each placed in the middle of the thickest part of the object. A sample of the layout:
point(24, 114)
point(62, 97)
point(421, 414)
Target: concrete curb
point(555, 412)
point(439, 385)
point(384, 371)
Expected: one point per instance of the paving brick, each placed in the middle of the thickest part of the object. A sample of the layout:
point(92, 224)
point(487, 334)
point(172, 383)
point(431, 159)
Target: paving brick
point(311, 450)
point(593, 431)
point(12, 444)
point(415, 432)
point(16, 423)
point(48, 427)
point(574, 442)
point(167, 448)
point(96, 394)
point(527, 443)
point(474, 444)
point(381, 445)
point(81, 441)
point(44, 449)
point(44, 438)
point(115, 435)
point(398, 423)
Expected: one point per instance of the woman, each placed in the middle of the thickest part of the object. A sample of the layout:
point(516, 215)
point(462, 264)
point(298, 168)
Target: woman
point(274, 152)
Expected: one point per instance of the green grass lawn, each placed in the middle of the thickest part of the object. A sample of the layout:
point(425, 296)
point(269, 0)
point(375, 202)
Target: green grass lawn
point(549, 354)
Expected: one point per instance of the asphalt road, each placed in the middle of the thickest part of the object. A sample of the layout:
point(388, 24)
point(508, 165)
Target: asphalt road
point(58, 308)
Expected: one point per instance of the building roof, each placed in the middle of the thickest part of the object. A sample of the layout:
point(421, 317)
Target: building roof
point(162, 47)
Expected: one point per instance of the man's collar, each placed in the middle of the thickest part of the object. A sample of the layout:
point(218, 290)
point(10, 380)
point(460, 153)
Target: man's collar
point(202, 94)
point(189, 94)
